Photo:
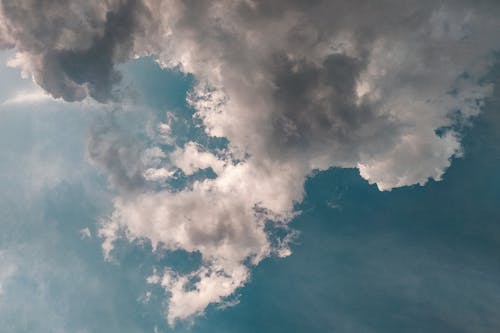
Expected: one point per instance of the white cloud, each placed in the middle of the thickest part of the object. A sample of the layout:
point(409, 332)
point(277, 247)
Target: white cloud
point(155, 175)
point(192, 158)
point(85, 233)
point(223, 219)
point(28, 97)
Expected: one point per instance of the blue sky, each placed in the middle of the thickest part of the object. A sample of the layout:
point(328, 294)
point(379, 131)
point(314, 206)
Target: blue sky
point(414, 259)
point(248, 167)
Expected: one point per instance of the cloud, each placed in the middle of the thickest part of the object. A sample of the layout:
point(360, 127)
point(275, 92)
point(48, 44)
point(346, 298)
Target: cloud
point(191, 159)
point(117, 154)
point(7, 269)
point(293, 86)
point(85, 233)
point(71, 48)
point(27, 97)
point(218, 218)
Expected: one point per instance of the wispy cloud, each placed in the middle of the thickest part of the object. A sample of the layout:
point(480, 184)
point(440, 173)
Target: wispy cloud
point(29, 98)
point(7, 269)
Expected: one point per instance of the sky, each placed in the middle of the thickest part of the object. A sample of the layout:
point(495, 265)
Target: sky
point(249, 166)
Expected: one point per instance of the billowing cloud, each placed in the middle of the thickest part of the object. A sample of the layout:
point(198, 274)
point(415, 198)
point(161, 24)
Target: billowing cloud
point(70, 47)
point(293, 86)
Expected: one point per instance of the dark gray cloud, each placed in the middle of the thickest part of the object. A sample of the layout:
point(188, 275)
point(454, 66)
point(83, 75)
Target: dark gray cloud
point(304, 119)
point(117, 157)
point(115, 153)
point(72, 49)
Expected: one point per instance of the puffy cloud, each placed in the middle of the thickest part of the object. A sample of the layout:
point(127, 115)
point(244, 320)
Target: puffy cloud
point(293, 86)
point(303, 83)
point(191, 159)
point(71, 47)
point(223, 219)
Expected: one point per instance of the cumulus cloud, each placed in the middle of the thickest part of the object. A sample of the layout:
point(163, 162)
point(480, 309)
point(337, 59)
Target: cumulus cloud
point(70, 47)
point(293, 86)
point(223, 219)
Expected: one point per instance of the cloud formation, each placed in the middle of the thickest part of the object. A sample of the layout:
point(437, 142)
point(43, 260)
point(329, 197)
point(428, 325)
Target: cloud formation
point(294, 86)
point(70, 47)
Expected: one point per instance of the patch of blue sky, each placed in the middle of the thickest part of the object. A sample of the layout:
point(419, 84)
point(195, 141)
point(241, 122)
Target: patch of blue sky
point(54, 277)
point(410, 260)
point(165, 92)
point(51, 198)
